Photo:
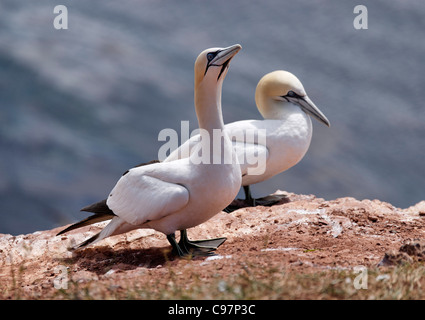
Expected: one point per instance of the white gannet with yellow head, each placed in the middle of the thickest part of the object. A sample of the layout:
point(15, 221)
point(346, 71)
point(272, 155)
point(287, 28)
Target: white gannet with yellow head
point(282, 138)
point(171, 196)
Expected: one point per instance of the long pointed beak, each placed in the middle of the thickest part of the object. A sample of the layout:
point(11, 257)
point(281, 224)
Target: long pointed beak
point(310, 108)
point(226, 54)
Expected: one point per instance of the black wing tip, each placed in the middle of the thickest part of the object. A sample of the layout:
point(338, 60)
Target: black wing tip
point(62, 232)
point(95, 206)
point(99, 208)
point(70, 228)
point(97, 217)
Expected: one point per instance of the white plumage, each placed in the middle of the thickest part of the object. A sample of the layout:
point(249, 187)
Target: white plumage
point(286, 130)
point(177, 195)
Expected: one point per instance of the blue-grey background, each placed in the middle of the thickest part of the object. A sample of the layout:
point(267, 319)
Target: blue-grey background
point(80, 106)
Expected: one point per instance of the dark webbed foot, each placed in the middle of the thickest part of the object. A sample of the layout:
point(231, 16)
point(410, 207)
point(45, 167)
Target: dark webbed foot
point(210, 244)
point(251, 202)
point(194, 248)
point(271, 200)
point(235, 205)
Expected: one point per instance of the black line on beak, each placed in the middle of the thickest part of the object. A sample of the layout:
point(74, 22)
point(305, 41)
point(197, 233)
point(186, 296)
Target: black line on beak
point(223, 66)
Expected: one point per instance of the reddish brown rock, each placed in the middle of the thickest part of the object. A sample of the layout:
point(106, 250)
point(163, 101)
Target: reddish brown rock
point(302, 234)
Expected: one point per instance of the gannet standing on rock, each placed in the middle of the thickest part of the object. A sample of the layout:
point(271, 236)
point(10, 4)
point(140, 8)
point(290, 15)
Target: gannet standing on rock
point(282, 101)
point(171, 196)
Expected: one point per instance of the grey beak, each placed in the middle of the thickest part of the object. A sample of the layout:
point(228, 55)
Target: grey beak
point(226, 54)
point(310, 108)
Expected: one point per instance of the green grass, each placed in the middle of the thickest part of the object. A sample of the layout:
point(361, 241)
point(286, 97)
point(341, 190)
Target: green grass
point(251, 282)
point(254, 282)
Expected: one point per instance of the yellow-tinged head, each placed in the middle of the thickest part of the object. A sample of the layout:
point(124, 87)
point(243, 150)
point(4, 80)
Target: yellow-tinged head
point(280, 87)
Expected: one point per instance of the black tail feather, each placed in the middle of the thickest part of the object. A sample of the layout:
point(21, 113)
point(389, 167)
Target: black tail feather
point(99, 208)
point(88, 221)
point(101, 213)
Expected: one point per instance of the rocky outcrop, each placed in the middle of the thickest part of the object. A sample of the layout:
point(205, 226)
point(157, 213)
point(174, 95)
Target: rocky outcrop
point(301, 233)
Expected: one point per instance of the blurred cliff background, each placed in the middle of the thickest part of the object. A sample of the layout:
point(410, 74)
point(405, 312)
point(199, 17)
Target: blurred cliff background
point(80, 106)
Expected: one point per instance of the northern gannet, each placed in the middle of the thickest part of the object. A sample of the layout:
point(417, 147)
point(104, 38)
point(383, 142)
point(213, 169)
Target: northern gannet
point(282, 101)
point(171, 196)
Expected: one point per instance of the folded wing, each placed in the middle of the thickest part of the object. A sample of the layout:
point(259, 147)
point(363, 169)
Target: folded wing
point(138, 198)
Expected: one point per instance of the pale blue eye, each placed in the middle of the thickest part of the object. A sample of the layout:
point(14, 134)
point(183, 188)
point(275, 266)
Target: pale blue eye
point(210, 56)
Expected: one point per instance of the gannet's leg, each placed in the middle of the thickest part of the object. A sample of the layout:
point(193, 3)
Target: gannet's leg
point(199, 247)
point(176, 248)
point(249, 200)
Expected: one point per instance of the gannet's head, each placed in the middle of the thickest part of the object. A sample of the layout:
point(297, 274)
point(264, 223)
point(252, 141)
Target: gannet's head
point(212, 64)
point(283, 87)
